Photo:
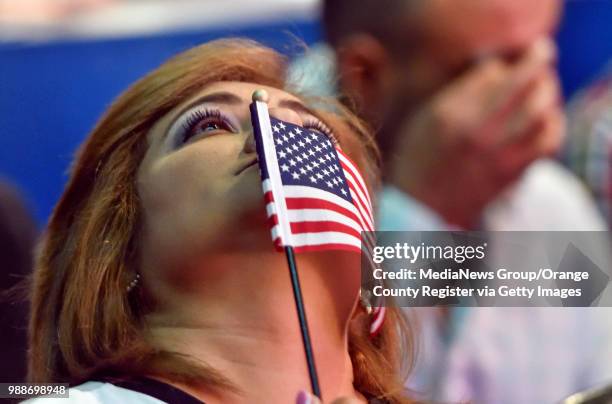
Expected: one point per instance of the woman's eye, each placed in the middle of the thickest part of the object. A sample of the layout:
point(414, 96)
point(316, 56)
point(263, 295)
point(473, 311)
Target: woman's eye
point(208, 126)
point(205, 122)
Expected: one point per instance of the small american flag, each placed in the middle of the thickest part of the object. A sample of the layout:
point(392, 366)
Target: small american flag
point(315, 197)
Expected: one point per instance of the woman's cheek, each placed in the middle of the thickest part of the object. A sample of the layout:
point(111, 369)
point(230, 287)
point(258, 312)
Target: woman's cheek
point(185, 175)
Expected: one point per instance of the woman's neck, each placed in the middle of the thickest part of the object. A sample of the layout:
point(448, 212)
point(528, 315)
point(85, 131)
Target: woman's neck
point(238, 317)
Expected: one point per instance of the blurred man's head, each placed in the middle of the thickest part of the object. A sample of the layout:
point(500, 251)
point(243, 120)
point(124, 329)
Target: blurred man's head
point(463, 93)
point(394, 52)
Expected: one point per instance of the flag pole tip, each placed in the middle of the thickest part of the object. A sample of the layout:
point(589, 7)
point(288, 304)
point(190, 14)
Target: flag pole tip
point(260, 95)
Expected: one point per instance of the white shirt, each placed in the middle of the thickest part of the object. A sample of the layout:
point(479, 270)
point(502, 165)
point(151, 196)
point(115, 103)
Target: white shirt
point(98, 393)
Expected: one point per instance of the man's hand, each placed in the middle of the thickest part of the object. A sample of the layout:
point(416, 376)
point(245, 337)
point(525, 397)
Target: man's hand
point(479, 133)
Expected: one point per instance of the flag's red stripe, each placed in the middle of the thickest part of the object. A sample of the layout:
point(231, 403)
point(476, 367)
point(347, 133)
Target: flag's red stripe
point(367, 219)
point(316, 227)
point(277, 244)
point(268, 197)
point(355, 185)
point(360, 219)
point(368, 241)
point(315, 203)
point(361, 207)
point(358, 178)
point(356, 174)
point(360, 196)
point(364, 223)
point(272, 221)
point(318, 247)
point(321, 226)
point(329, 246)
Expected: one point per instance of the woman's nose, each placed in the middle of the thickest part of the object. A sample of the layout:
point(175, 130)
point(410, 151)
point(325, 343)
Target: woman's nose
point(284, 114)
point(249, 144)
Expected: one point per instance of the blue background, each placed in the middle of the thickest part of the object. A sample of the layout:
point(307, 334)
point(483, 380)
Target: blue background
point(51, 94)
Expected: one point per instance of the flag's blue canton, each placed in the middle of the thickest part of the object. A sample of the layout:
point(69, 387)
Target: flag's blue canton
point(308, 158)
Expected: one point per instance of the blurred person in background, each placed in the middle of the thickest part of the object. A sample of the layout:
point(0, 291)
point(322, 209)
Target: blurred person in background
point(466, 102)
point(17, 237)
point(156, 275)
point(588, 148)
point(45, 11)
point(462, 88)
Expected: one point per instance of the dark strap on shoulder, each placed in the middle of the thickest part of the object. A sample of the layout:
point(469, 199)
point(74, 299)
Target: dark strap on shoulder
point(159, 390)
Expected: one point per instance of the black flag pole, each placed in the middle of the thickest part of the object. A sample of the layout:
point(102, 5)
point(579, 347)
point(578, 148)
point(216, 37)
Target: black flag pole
point(299, 304)
point(265, 150)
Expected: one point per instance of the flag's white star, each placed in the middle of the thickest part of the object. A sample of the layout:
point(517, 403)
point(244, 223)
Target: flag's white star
point(282, 126)
point(305, 156)
point(311, 152)
point(308, 140)
point(329, 184)
point(295, 176)
point(279, 141)
point(285, 138)
point(295, 147)
point(298, 131)
point(292, 163)
point(282, 154)
point(303, 170)
point(325, 171)
point(299, 159)
point(291, 135)
point(313, 179)
point(319, 176)
point(321, 160)
point(309, 167)
point(343, 191)
point(275, 129)
point(288, 150)
point(335, 181)
point(302, 144)
point(328, 157)
point(318, 148)
point(284, 167)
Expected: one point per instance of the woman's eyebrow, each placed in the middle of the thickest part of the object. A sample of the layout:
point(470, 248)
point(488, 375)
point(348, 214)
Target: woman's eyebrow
point(297, 106)
point(220, 97)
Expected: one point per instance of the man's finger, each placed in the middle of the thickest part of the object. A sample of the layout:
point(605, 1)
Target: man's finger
point(543, 141)
point(542, 100)
point(522, 76)
point(509, 91)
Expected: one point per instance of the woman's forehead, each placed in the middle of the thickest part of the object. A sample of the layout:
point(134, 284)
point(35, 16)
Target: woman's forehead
point(244, 90)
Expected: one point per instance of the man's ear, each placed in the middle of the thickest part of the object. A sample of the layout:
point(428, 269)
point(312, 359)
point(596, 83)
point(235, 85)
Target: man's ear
point(364, 73)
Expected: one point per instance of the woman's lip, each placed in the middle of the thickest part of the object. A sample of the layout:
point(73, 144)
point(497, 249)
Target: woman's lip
point(243, 168)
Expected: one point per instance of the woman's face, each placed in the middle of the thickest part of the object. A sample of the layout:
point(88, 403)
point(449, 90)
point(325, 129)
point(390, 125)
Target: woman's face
point(199, 180)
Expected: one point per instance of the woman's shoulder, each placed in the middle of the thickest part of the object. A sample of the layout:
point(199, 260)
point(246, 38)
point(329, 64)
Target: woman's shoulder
point(95, 392)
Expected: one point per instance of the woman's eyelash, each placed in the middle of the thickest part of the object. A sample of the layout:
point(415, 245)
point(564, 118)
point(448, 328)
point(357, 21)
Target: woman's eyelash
point(197, 116)
point(321, 127)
